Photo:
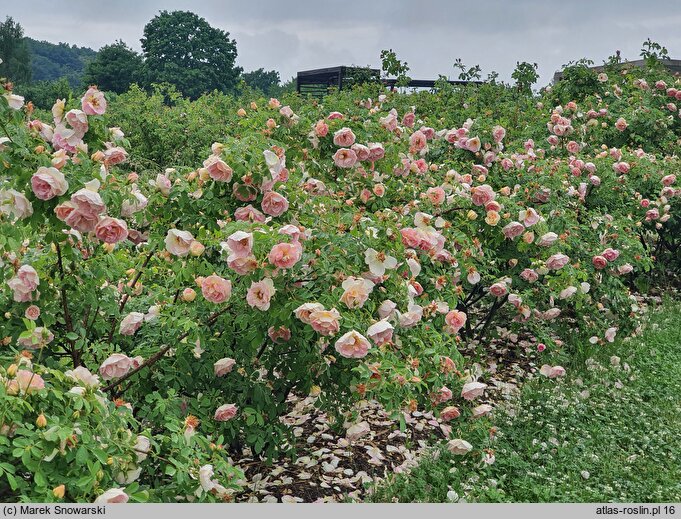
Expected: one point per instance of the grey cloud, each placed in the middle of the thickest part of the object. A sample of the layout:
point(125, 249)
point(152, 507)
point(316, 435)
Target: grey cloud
point(428, 34)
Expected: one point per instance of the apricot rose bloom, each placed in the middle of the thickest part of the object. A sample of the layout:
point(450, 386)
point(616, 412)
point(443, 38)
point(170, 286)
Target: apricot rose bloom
point(285, 255)
point(325, 322)
point(216, 289)
point(24, 284)
point(357, 292)
point(260, 294)
point(48, 183)
point(111, 230)
point(93, 102)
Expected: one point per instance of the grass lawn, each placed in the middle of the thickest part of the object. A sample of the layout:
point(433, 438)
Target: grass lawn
point(609, 431)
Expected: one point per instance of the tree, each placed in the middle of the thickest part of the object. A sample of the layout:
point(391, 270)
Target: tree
point(115, 68)
point(263, 80)
point(525, 75)
point(181, 48)
point(16, 60)
point(43, 93)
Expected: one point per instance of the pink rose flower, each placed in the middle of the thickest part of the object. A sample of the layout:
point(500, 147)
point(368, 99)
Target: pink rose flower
point(111, 230)
point(78, 121)
point(321, 129)
point(178, 242)
point(240, 244)
point(77, 220)
point(24, 283)
point(513, 230)
point(48, 183)
point(361, 151)
point(285, 255)
point(114, 155)
point(93, 102)
point(441, 395)
point(621, 124)
point(216, 289)
point(376, 151)
point(344, 158)
point(557, 261)
point(88, 202)
point(32, 313)
point(529, 275)
point(274, 204)
point(455, 320)
point(498, 133)
point(24, 381)
point(353, 345)
point(599, 262)
point(417, 141)
point(552, 371)
point(436, 195)
point(131, 323)
point(481, 195)
point(218, 169)
point(39, 338)
point(344, 138)
point(260, 294)
point(116, 366)
point(304, 311)
point(242, 265)
point(223, 366)
point(381, 332)
point(473, 390)
point(409, 119)
point(249, 214)
point(225, 412)
point(498, 289)
point(325, 322)
point(610, 254)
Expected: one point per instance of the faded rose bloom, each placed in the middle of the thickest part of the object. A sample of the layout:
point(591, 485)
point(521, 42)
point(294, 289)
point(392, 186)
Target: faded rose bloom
point(568, 292)
point(455, 320)
point(459, 446)
point(552, 371)
point(75, 219)
point(304, 311)
point(449, 413)
point(111, 230)
point(345, 158)
point(325, 322)
point(668, 180)
point(48, 183)
point(498, 133)
point(529, 275)
point(625, 269)
point(481, 410)
point(225, 412)
point(223, 366)
point(621, 124)
point(114, 155)
point(113, 495)
point(93, 102)
point(599, 262)
point(610, 334)
point(547, 239)
point(14, 101)
point(557, 261)
point(361, 151)
point(13, 202)
point(441, 395)
point(381, 332)
point(24, 284)
point(260, 294)
point(116, 366)
point(417, 141)
point(436, 195)
point(249, 214)
point(387, 309)
point(39, 338)
point(83, 376)
point(357, 292)
point(409, 119)
point(321, 129)
point(178, 242)
point(281, 334)
point(376, 151)
point(353, 345)
point(274, 204)
point(344, 138)
point(473, 390)
point(285, 255)
point(131, 323)
point(216, 289)
point(163, 184)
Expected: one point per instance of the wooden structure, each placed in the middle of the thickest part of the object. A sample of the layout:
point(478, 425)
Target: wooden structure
point(673, 65)
point(317, 82)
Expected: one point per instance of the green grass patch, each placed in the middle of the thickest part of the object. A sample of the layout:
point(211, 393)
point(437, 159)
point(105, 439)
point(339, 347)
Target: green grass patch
point(609, 431)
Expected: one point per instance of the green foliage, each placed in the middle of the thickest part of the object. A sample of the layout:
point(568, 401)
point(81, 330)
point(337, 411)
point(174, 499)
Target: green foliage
point(265, 81)
point(392, 66)
point(525, 75)
point(115, 68)
point(43, 93)
point(50, 61)
point(467, 74)
point(16, 60)
point(182, 49)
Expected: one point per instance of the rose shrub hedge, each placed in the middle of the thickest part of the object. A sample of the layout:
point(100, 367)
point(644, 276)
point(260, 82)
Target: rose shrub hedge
point(163, 293)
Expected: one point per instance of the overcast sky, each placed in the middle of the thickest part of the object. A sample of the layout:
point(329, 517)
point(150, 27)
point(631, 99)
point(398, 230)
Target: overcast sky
point(428, 34)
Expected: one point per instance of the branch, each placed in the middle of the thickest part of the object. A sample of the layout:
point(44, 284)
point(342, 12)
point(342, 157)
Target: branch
point(65, 307)
point(160, 353)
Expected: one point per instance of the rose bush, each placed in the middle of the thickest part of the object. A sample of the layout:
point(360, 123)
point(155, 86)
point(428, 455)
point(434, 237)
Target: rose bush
point(348, 248)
